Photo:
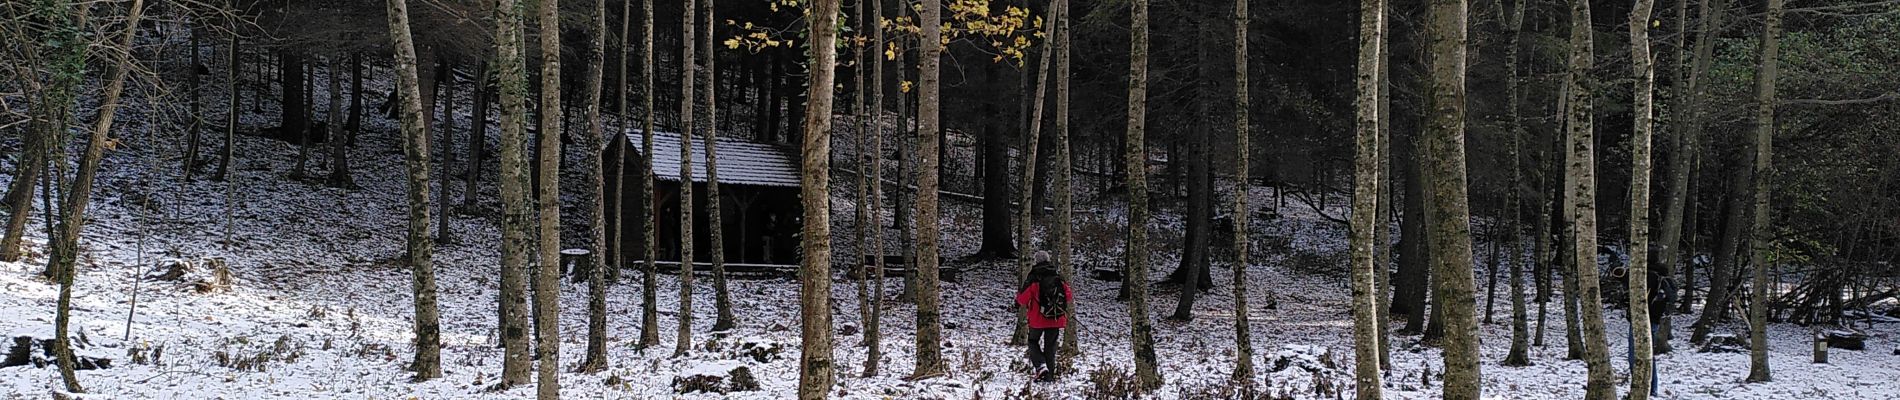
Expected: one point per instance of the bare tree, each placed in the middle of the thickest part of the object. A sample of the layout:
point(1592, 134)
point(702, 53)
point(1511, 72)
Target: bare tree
point(1765, 75)
point(649, 285)
point(547, 280)
point(929, 312)
point(722, 298)
point(1643, 68)
point(1581, 194)
point(1243, 130)
point(1448, 212)
point(517, 204)
point(428, 362)
point(688, 62)
point(1025, 220)
point(1135, 155)
point(815, 377)
point(1520, 326)
point(594, 141)
point(1365, 202)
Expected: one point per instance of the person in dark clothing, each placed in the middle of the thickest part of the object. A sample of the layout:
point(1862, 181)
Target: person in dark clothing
point(1662, 293)
point(1046, 298)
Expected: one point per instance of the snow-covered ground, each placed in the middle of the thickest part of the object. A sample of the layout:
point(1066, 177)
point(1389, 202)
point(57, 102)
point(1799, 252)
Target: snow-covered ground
point(319, 297)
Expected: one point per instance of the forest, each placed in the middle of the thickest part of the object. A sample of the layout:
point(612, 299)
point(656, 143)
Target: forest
point(950, 199)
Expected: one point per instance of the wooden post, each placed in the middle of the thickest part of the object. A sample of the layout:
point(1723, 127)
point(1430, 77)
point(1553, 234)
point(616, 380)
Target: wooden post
point(1820, 347)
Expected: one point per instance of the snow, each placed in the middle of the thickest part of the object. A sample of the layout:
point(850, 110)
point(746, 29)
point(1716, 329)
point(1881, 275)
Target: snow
point(316, 269)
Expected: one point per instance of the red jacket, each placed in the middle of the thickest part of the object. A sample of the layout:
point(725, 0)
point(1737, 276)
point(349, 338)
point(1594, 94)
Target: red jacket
point(1027, 299)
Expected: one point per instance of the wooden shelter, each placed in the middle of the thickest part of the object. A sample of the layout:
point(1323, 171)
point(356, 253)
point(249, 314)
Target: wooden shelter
point(759, 206)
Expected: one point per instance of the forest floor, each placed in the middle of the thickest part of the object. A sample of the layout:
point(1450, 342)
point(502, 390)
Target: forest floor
point(322, 308)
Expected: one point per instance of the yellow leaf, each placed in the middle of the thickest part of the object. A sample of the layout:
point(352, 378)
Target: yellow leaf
point(732, 43)
point(904, 87)
point(890, 54)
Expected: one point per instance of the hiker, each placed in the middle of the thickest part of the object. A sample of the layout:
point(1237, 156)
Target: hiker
point(1662, 293)
point(1048, 313)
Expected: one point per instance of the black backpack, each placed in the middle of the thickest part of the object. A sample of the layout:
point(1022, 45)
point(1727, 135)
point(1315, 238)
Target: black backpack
point(1051, 300)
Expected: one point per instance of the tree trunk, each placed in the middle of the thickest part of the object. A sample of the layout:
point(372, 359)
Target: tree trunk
point(65, 240)
point(1064, 181)
point(517, 242)
point(1715, 307)
point(20, 192)
point(1492, 275)
point(1410, 286)
point(649, 308)
point(1519, 354)
point(339, 145)
point(1601, 383)
point(477, 138)
point(1243, 333)
point(929, 312)
point(192, 136)
point(1449, 216)
point(1760, 241)
point(428, 362)
point(688, 62)
point(997, 242)
point(594, 141)
point(231, 116)
point(722, 300)
point(547, 349)
point(1024, 212)
point(815, 377)
point(1642, 354)
point(1134, 154)
point(873, 337)
point(294, 111)
point(445, 81)
point(1365, 203)
point(1382, 230)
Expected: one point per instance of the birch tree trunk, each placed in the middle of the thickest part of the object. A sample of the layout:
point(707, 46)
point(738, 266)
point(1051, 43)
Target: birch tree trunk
point(649, 308)
point(1643, 68)
point(929, 297)
point(477, 137)
point(1520, 327)
point(1582, 193)
point(517, 242)
point(428, 361)
point(445, 80)
point(722, 301)
point(231, 115)
point(688, 43)
point(873, 338)
point(1762, 239)
point(1064, 179)
point(335, 136)
point(594, 141)
point(815, 377)
point(1135, 155)
point(1449, 215)
point(1365, 202)
point(1025, 221)
point(1243, 334)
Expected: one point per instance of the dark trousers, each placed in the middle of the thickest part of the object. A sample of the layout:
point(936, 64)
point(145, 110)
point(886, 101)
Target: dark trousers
point(1042, 347)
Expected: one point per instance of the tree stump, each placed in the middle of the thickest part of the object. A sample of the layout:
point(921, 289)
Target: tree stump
point(577, 262)
point(1820, 348)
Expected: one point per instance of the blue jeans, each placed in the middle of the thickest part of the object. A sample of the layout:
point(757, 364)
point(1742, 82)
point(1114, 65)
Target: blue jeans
point(1631, 356)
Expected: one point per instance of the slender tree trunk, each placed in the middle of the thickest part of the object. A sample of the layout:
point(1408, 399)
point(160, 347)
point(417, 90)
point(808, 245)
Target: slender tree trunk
point(1602, 383)
point(873, 327)
point(20, 193)
point(595, 143)
point(428, 362)
point(1491, 274)
point(1760, 241)
point(334, 136)
point(1566, 250)
point(1382, 231)
point(997, 242)
point(516, 198)
point(231, 116)
point(192, 136)
point(295, 109)
point(547, 349)
point(1519, 354)
point(1414, 274)
point(929, 312)
point(1449, 220)
point(688, 62)
point(1715, 307)
point(1193, 272)
point(1147, 377)
point(1365, 203)
point(722, 300)
point(1024, 212)
point(1669, 239)
point(1064, 181)
point(815, 377)
point(863, 220)
point(649, 308)
point(1642, 67)
point(477, 138)
point(445, 80)
point(1243, 334)
point(78, 193)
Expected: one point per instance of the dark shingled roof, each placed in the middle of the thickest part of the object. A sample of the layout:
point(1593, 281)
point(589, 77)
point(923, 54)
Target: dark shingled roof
point(740, 162)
